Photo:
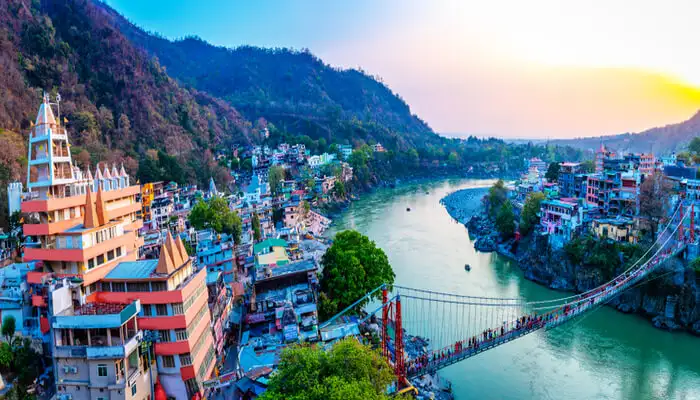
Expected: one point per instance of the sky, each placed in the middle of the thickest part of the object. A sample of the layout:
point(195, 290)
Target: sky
point(505, 68)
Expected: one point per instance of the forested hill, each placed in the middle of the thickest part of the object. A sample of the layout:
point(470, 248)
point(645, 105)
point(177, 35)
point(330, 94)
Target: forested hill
point(293, 89)
point(119, 103)
point(660, 140)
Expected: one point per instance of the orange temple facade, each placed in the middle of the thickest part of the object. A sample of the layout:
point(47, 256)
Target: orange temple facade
point(87, 226)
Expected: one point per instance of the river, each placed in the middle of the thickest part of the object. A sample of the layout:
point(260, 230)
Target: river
point(603, 355)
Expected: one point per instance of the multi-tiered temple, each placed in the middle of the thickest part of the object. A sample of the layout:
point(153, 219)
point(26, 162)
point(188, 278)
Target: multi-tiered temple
point(86, 227)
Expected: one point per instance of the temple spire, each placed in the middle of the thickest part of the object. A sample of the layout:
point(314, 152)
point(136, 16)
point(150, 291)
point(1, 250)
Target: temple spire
point(102, 217)
point(91, 219)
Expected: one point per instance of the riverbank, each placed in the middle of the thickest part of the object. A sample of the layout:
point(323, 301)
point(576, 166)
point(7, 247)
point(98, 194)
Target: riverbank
point(605, 355)
point(670, 300)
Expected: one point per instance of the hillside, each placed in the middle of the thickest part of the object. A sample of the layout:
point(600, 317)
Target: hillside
point(662, 140)
point(293, 89)
point(119, 102)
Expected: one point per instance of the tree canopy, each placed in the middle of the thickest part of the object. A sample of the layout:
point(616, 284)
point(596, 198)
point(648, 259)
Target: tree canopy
point(552, 173)
point(348, 371)
point(8, 327)
point(505, 220)
point(497, 195)
point(529, 218)
point(217, 215)
point(257, 234)
point(275, 176)
point(352, 267)
point(654, 197)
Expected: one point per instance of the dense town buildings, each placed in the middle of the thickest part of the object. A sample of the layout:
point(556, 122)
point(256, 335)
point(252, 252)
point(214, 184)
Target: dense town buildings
point(125, 311)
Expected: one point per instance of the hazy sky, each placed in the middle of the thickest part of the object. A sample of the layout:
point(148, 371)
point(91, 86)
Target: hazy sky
point(509, 68)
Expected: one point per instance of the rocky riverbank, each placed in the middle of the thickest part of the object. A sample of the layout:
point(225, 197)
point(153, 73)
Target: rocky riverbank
point(670, 299)
point(429, 386)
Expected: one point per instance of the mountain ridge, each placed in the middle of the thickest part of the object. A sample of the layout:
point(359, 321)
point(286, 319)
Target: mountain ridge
point(291, 88)
point(665, 139)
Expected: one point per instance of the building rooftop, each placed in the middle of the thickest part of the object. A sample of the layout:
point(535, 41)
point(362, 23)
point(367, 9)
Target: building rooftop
point(269, 243)
point(96, 315)
point(289, 269)
point(140, 269)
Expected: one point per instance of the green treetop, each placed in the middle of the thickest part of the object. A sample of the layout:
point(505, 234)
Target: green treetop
point(505, 220)
point(348, 371)
point(498, 194)
point(529, 218)
point(275, 178)
point(552, 173)
point(257, 234)
point(352, 267)
point(216, 214)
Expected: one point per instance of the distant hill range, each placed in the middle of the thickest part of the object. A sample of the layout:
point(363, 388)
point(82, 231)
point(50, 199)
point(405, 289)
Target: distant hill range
point(293, 89)
point(660, 140)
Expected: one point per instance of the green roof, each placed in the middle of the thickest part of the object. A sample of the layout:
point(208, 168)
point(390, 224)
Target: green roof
point(267, 243)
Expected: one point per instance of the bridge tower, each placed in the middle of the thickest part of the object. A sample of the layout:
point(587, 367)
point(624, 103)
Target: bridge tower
point(399, 366)
point(692, 223)
point(385, 323)
point(680, 228)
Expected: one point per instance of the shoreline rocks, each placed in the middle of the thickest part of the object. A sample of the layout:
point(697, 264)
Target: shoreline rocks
point(670, 300)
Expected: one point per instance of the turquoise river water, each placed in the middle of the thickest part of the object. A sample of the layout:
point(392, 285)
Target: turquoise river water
point(604, 355)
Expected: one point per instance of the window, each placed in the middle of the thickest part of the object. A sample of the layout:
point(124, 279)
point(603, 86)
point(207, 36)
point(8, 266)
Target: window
point(180, 334)
point(161, 309)
point(119, 368)
point(158, 286)
point(185, 359)
point(177, 308)
point(101, 369)
point(147, 311)
point(100, 259)
point(110, 255)
point(91, 263)
point(133, 389)
point(119, 251)
point(168, 362)
point(164, 335)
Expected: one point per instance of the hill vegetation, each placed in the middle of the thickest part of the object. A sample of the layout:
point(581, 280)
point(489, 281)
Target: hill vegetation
point(118, 101)
point(293, 89)
point(659, 140)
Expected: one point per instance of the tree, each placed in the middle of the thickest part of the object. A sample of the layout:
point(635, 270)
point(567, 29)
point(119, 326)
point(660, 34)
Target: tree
point(247, 165)
point(8, 327)
point(553, 172)
point(7, 356)
point(348, 371)
point(352, 267)
point(453, 159)
point(257, 235)
point(339, 189)
point(528, 217)
point(216, 215)
point(497, 195)
point(505, 221)
point(654, 195)
point(588, 166)
point(694, 145)
point(275, 176)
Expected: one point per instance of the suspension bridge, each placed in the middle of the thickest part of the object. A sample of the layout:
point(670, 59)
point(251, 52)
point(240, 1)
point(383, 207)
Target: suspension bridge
point(458, 326)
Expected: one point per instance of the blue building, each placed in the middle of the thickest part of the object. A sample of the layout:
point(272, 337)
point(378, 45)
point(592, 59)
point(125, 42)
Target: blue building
point(215, 252)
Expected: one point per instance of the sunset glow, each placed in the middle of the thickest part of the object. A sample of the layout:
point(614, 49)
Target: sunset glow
point(542, 68)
